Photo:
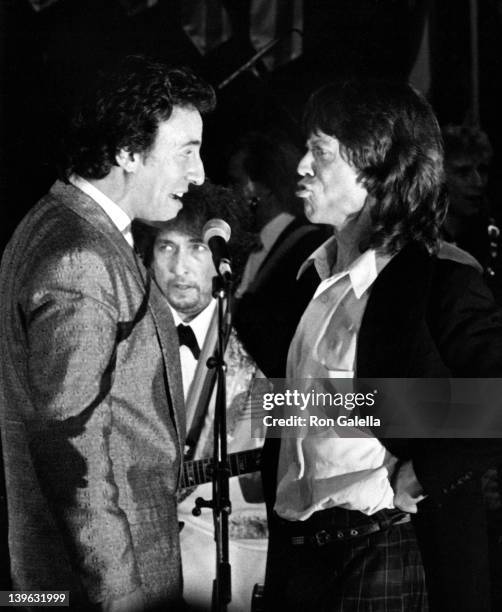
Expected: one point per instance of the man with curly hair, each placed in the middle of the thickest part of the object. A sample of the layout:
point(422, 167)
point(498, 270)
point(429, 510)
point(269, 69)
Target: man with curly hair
point(183, 268)
point(386, 302)
point(92, 405)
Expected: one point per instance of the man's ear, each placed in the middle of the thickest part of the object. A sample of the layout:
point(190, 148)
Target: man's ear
point(127, 161)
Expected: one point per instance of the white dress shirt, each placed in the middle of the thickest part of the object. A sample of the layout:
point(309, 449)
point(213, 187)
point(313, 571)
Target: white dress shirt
point(322, 470)
point(247, 524)
point(120, 218)
point(268, 236)
point(200, 325)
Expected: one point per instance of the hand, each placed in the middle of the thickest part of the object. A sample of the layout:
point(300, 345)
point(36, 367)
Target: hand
point(408, 491)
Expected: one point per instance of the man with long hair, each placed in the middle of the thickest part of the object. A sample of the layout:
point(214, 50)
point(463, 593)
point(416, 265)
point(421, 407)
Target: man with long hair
point(386, 304)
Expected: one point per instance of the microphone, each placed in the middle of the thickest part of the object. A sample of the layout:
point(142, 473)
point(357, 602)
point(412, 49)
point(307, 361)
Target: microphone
point(216, 233)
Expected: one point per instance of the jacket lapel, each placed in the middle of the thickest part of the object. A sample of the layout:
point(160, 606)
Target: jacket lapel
point(85, 207)
point(394, 315)
point(287, 231)
point(168, 339)
point(88, 209)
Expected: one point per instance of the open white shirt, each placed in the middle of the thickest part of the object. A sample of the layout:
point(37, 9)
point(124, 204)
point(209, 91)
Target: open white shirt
point(321, 470)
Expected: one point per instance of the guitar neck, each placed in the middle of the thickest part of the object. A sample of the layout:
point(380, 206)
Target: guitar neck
point(199, 471)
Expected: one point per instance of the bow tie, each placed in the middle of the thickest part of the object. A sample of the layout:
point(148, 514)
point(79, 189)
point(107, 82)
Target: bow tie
point(187, 337)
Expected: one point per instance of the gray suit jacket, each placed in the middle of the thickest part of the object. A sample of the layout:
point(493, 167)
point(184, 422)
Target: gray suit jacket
point(92, 409)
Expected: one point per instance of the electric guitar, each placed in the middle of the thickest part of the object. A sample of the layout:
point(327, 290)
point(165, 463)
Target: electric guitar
point(199, 471)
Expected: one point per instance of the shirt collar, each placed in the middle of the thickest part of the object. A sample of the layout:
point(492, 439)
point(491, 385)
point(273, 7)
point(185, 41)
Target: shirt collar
point(362, 272)
point(200, 323)
point(120, 219)
point(322, 258)
point(271, 231)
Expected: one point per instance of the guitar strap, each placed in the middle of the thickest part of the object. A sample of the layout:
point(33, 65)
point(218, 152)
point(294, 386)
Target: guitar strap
point(201, 388)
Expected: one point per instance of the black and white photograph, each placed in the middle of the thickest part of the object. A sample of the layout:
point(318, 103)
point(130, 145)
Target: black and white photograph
point(251, 305)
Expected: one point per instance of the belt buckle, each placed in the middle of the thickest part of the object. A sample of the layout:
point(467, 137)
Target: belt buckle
point(322, 537)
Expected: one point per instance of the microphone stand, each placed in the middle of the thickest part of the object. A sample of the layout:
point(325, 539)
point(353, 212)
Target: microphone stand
point(220, 502)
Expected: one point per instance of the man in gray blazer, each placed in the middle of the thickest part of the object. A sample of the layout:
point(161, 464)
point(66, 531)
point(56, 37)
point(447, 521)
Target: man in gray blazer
point(91, 398)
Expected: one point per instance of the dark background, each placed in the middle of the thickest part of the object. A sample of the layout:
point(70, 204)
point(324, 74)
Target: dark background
point(47, 56)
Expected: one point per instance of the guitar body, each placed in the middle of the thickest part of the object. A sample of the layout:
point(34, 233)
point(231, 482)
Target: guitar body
point(247, 521)
point(247, 549)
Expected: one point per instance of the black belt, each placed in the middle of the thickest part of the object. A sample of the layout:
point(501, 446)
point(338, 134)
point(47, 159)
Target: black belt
point(332, 533)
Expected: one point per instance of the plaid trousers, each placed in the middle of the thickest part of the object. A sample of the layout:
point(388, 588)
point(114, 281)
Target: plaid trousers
point(381, 572)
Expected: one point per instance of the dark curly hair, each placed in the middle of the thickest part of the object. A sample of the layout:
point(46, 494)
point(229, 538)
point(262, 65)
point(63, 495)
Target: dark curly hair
point(123, 111)
point(390, 134)
point(200, 204)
